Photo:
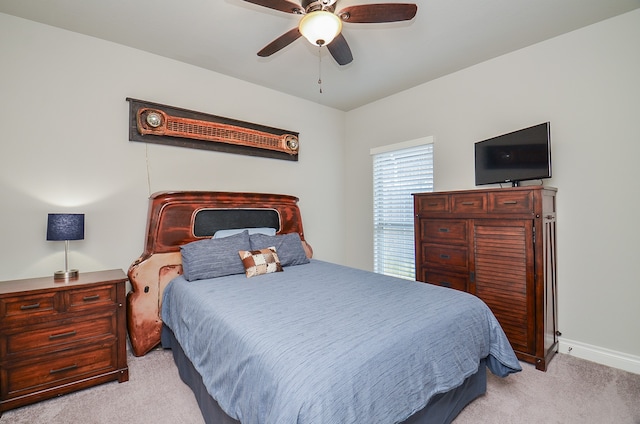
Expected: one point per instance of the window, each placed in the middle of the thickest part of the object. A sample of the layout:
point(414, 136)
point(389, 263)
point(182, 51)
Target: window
point(398, 171)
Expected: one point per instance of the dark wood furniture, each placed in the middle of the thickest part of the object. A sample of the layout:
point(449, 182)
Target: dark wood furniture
point(500, 245)
point(59, 336)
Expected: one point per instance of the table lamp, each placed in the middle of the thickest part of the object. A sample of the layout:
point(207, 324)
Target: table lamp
point(65, 227)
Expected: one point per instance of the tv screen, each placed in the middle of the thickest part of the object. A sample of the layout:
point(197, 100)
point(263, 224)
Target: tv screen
point(517, 156)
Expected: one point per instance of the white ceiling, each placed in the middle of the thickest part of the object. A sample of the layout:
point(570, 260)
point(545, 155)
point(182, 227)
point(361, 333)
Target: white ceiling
point(225, 35)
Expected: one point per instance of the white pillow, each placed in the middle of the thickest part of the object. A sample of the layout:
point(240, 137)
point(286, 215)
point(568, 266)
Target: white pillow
point(261, 230)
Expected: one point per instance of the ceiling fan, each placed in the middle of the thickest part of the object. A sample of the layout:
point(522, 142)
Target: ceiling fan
point(322, 26)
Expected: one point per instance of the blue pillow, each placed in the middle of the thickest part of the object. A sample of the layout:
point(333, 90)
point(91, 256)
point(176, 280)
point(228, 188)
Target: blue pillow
point(211, 258)
point(288, 246)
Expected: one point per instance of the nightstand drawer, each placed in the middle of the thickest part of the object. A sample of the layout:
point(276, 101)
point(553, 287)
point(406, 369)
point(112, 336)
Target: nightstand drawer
point(58, 369)
point(91, 297)
point(28, 306)
point(59, 335)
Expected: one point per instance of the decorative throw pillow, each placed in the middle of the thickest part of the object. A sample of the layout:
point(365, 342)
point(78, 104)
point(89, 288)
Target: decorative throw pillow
point(258, 262)
point(211, 258)
point(288, 246)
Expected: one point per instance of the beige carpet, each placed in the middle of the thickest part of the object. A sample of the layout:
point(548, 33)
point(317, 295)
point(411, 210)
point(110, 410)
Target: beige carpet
point(571, 391)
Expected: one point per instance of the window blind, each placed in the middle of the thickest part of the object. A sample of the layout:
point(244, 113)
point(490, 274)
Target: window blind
point(397, 173)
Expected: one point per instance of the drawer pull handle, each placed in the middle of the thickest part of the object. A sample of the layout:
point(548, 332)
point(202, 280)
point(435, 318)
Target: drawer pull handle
point(445, 284)
point(443, 230)
point(468, 203)
point(91, 298)
point(61, 335)
point(510, 202)
point(27, 307)
point(443, 256)
point(59, 370)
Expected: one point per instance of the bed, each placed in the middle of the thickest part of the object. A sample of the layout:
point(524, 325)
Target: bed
point(265, 333)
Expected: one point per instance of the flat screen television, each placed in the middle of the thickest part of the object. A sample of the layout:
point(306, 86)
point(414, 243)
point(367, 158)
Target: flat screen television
point(517, 156)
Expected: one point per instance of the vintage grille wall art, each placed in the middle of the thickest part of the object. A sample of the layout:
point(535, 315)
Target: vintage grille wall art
point(161, 124)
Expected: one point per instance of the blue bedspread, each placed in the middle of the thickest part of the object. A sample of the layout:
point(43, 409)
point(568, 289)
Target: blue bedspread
point(322, 343)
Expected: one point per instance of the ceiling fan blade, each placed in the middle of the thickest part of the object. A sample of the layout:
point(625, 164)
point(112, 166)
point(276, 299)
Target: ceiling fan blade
point(281, 42)
point(340, 50)
point(375, 13)
point(281, 5)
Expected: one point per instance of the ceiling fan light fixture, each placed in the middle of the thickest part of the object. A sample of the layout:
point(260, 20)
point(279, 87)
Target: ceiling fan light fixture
point(320, 27)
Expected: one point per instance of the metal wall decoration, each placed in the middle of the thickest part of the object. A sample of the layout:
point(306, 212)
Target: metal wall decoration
point(162, 124)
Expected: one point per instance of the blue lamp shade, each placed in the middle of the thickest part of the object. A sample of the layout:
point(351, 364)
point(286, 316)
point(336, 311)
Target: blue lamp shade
point(65, 226)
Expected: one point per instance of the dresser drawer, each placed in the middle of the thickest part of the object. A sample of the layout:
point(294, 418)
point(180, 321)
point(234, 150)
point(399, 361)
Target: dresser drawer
point(432, 203)
point(58, 335)
point(469, 203)
point(444, 230)
point(445, 256)
point(58, 369)
point(28, 306)
point(89, 298)
point(445, 279)
point(511, 202)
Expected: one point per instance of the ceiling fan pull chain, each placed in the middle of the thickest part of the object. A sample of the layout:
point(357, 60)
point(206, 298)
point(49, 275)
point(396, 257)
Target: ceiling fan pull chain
point(320, 68)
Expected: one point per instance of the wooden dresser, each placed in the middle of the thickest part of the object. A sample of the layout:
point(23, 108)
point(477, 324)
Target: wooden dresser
point(500, 245)
point(58, 337)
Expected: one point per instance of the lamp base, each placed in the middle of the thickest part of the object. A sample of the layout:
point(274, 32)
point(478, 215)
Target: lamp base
point(66, 275)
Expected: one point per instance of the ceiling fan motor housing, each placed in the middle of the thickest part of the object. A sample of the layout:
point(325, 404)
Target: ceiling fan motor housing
point(313, 5)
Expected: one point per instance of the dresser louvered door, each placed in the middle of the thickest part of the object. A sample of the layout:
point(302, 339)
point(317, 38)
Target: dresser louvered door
point(504, 276)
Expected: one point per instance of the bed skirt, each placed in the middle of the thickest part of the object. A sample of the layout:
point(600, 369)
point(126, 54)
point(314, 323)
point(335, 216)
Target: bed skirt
point(442, 408)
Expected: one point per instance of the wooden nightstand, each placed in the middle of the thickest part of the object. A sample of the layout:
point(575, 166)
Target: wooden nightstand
point(58, 337)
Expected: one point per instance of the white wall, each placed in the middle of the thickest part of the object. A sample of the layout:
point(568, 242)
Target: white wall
point(586, 84)
point(64, 148)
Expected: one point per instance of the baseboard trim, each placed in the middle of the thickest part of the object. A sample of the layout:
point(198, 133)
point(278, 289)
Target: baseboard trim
point(608, 357)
